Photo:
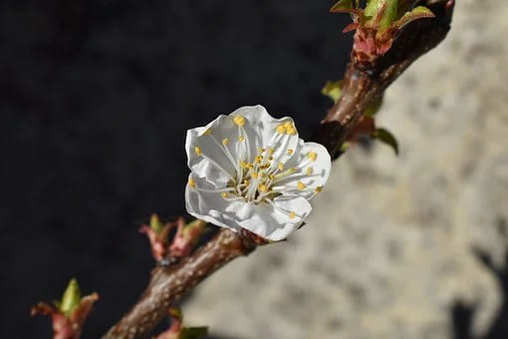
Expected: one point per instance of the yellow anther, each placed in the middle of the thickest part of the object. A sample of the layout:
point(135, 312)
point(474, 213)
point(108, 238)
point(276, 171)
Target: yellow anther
point(239, 120)
point(301, 186)
point(292, 170)
point(208, 132)
point(254, 175)
point(192, 183)
point(224, 195)
point(290, 151)
point(260, 150)
point(281, 166)
point(292, 215)
point(198, 151)
point(281, 129)
point(259, 159)
point(291, 130)
point(271, 176)
point(241, 138)
point(288, 124)
point(271, 151)
point(270, 158)
point(319, 189)
point(246, 182)
point(262, 188)
point(312, 156)
point(309, 171)
point(225, 141)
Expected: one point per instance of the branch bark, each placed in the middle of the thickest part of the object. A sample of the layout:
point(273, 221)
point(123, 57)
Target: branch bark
point(361, 85)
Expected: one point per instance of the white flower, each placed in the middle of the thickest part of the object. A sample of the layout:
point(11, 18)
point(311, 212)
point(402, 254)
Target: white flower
point(252, 171)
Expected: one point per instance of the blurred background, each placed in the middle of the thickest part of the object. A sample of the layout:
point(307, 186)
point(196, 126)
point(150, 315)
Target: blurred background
point(95, 100)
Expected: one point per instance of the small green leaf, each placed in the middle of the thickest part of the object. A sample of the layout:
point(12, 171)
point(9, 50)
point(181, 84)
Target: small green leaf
point(155, 224)
point(193, 333)
point(333, 90)
point(342, 6)
point(374, 107)
point(382, 12)
point(71, 298)
point(386, 137)
point(419, 12)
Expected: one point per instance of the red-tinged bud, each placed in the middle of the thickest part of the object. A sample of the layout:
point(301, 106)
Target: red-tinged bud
point(186, 238)
point(69, 314)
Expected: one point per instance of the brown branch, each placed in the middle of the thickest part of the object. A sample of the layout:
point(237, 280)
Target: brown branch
point(362, 84)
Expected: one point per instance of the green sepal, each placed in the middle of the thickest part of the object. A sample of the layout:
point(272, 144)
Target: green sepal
point(70, 298)
point(333, 90)
point(193, 333)
point(386, 137)
point(419, 12)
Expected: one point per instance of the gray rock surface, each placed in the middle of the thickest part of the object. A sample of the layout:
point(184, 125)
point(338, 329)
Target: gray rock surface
point(389, 248)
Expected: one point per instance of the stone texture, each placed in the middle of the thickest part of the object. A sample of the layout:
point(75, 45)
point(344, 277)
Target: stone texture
point(389, 249)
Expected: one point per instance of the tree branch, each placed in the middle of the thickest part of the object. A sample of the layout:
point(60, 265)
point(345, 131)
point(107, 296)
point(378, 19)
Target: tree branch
point(362, 84)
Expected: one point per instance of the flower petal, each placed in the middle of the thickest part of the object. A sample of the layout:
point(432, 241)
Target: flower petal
point(206, 151)
point(313, 164)
point(264, 127)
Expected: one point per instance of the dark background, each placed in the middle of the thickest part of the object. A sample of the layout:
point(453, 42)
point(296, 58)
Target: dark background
point(95, 100)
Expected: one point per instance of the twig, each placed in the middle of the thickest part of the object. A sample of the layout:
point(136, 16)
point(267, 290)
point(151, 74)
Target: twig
point(362, 84)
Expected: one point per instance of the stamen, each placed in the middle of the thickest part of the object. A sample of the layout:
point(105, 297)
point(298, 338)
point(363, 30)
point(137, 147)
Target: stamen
point(319, 189)
point(241, 138)
point(309, 171)
point(208, 132)
point(281, 129)
point(281, 166)
point(290, 151)
point(292, 215)
point(192, 183)
point(224, 195)
point(225, 141)
point(239, 120)
point(301, 186)
point(198, 151)
point(312, 156)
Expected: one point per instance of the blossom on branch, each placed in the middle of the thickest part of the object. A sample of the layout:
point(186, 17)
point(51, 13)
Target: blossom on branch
point(252, 171)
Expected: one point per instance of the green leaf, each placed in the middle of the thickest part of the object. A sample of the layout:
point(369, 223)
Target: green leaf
point(373, 107)
point(193, 333)
point(419, 12)
point(333, 90)
point(342, 6)
point(382, 12)
point(71, 298)
point(386, 137)
point(155, 224)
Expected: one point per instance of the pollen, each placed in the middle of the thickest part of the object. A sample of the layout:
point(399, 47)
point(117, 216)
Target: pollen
point(198, 151)
point(262, 188)
point(259, 159)
point(192, 183)
point(301, 186)
point(309, 171)
point(241, 138)
point(281, 166)
point(292, 215)
point(254, 175)
point(312, 156)
point(224, 195)
point(319, 189)
point(260, 150)
point(225, 141)
point(239, 120)
point(208, 132)
point(290, 151)
point(271, 151)
point(281, 129)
